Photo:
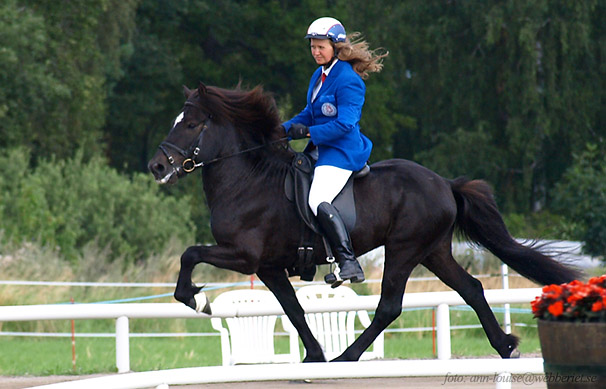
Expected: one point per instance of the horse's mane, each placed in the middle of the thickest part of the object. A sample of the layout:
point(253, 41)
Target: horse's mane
point(252, 111)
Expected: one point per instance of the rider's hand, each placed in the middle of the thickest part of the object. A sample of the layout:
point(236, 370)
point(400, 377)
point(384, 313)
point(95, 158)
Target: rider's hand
point(298, 131)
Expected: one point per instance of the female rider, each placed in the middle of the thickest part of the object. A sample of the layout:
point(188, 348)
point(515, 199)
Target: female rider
point(331, 119)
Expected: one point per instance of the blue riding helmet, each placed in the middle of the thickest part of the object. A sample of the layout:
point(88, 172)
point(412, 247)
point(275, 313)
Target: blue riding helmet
point(326, 28)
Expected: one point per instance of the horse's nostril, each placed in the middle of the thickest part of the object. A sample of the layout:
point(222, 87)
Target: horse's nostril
point(158, 167)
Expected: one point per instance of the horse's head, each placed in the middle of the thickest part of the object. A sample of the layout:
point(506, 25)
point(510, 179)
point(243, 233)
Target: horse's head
point(185, 145)
point(217, 124)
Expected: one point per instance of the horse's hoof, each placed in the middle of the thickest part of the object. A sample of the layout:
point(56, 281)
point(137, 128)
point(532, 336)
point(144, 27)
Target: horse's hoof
point(342, 358)
point(314, 359)
point(515, 353)
point(202, 303)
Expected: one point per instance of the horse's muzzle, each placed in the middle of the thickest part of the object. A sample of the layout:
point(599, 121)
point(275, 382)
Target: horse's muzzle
point(162, 173)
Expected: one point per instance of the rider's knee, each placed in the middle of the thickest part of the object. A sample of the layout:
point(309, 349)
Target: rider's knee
point(314, 202)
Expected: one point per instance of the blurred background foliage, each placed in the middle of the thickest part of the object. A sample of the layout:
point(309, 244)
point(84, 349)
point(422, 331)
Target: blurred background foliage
point(511, 91)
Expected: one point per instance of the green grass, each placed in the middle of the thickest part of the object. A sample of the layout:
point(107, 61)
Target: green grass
point(464, 342)
point(52, 356)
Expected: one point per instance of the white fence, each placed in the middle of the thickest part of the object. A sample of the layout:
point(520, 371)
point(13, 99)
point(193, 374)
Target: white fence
point(123, 312)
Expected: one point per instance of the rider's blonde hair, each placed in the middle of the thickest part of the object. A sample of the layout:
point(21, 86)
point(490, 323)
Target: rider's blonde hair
point(355, 50)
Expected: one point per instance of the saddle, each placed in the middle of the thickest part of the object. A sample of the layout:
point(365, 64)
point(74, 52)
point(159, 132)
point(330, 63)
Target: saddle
point(296, 187)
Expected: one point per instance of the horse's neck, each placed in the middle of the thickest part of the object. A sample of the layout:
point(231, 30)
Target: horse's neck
point(240, 178)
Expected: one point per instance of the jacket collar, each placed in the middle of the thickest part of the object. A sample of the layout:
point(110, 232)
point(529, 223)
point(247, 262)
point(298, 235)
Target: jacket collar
point(332, 65)
point(335, 69)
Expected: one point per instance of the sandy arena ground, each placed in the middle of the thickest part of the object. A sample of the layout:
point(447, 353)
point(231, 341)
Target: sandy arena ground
point(533, 382)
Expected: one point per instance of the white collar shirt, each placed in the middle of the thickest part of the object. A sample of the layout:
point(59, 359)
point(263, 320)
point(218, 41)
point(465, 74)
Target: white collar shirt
point(319, 84)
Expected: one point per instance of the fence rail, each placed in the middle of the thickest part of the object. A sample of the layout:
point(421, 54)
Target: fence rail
point(123, 312)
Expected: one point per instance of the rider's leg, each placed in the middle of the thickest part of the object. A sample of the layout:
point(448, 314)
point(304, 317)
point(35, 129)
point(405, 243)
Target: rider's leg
point(327, 183)
point(337, 235)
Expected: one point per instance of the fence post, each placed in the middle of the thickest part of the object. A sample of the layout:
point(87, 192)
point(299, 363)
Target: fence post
point(503, 381)
point(122, 345)
point(443, 324)
point(507, 314)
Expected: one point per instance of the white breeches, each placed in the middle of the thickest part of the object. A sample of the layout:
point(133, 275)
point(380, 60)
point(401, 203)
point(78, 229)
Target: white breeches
point(326, 185)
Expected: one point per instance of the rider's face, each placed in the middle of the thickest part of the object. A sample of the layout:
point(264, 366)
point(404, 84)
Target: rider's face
point(322, 51)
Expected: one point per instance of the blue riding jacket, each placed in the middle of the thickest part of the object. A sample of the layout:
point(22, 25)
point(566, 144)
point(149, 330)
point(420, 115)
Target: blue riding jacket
point(334, 116)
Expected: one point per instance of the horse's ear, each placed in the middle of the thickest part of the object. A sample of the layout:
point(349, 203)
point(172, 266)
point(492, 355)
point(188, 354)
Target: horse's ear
point(202, 89)
point(187, 92)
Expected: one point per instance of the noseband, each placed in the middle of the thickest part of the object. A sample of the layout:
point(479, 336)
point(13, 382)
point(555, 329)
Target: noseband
point(189, 164)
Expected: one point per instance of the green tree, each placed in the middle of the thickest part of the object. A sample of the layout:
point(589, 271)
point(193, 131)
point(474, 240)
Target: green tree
point(581, 196)
point(27, 86)
point(58, 60)
point(69, 204)
point(516, 82)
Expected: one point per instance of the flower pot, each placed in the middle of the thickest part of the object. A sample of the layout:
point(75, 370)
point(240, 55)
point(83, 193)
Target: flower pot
point(574, 354)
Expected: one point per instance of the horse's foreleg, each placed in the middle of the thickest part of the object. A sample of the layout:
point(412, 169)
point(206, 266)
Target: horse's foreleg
point(218, 256)
point(443, 265)
point(277, 281)
point(389, 308)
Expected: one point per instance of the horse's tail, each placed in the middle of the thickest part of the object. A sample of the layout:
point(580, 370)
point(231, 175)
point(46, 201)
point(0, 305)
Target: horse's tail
point(479, 220)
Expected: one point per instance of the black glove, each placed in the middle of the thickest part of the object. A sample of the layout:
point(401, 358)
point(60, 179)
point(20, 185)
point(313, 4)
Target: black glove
point(298, 131)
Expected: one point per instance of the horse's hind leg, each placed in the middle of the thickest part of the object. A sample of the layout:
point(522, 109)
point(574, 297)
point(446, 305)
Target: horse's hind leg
point(443, 265)
point(398, 266)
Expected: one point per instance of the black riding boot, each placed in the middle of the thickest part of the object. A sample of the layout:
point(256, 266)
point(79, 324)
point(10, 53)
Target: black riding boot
point(335, 231)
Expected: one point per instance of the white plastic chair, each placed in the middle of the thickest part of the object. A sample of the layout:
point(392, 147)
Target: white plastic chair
point(334, 330)
point(248, 339)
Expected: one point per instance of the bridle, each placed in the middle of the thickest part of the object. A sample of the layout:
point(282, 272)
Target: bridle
point(189, 164)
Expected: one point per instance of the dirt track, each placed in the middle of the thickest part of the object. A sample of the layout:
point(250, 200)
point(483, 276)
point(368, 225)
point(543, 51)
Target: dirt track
point(383, 383)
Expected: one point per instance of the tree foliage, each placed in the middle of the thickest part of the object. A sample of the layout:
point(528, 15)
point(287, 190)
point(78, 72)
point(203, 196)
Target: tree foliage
point(581, 195)
point(513, 81)
point(507, 91)
point(58, 60)
point(68, 204)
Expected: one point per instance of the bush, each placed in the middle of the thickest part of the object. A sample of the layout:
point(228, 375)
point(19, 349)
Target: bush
point(581, 196)
point(70, 203)
point(539, 225)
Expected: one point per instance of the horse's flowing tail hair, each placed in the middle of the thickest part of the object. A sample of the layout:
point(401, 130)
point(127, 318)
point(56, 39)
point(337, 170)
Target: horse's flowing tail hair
point(479, 220)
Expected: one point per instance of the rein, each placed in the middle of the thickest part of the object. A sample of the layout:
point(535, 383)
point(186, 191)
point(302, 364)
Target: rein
point(189, 164)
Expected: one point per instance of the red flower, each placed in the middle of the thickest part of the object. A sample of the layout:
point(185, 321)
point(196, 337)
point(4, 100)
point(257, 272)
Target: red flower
point(536, 305)
point(574, 301)
point(556, 309)
point(601, 281)
point(597, 306)
point(552, 289)
point(573, 298)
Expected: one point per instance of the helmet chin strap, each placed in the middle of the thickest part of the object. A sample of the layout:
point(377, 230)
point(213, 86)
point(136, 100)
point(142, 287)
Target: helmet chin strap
point(327, 64)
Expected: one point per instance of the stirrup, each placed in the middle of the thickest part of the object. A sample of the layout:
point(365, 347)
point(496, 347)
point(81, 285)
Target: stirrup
point(334, 278)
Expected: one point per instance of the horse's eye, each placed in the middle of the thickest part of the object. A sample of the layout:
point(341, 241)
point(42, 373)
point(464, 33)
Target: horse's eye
point(192, 125)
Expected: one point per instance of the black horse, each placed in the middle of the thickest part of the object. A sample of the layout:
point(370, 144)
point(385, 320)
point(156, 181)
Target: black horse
point(235, 138)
